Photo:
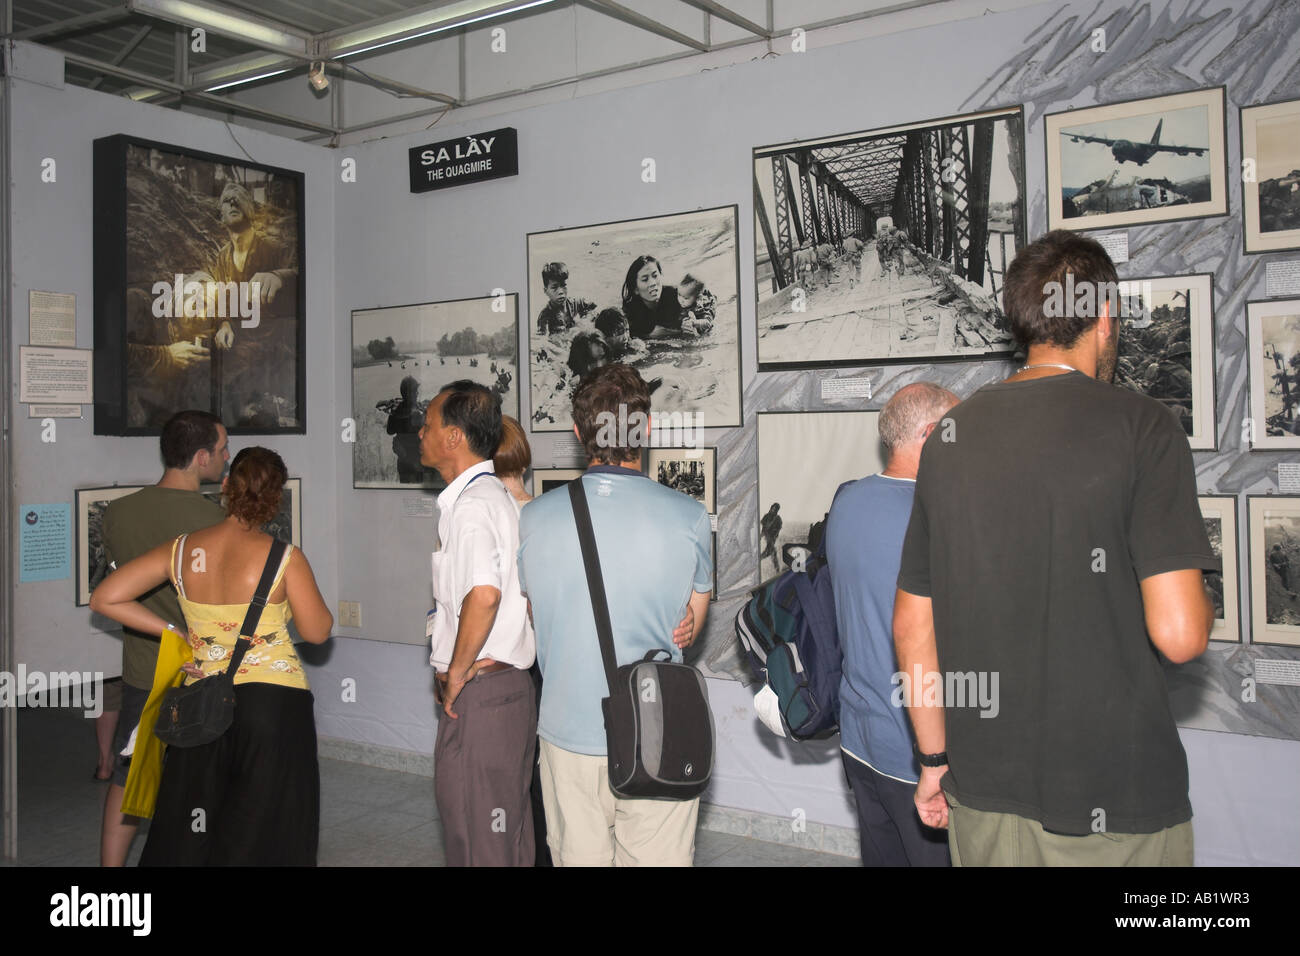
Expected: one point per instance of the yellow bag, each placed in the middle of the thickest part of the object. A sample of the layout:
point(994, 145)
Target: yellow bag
point(145, 775)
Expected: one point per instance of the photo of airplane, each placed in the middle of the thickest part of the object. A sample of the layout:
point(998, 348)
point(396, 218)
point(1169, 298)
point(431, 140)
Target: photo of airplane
point(1127, 151)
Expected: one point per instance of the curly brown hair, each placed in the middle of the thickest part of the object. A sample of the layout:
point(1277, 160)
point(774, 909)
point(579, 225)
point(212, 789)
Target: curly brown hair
point(612, 403)
point(253, 488)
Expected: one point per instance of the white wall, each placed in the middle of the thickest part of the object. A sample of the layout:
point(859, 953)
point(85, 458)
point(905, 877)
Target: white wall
point(375, 244)
point(52, 251)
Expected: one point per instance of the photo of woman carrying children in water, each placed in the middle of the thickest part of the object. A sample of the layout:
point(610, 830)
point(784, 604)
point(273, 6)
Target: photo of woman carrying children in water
point(659, 294)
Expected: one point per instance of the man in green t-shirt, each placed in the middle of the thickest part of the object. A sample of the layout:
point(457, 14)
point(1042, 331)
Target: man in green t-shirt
point(194, 450)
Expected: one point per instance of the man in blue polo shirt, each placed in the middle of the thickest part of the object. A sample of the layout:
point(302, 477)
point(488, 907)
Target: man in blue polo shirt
point(654, 547)
point(864, 544)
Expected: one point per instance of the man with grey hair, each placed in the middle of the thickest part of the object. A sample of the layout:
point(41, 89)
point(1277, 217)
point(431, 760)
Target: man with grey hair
point(864, 544)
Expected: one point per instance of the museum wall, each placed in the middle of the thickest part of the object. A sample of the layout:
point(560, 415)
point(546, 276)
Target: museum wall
point(581, 163)
point(52, 251)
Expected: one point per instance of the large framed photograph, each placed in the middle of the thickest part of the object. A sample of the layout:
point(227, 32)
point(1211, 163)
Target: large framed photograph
point(1220, 514)
point(692, 471)
point(92, 565)
point(402, 356)
point(660, 294)
point(1137, 162)
point(548, 479)
point(1270, 200)
point(1274, 538)
point(1273, 353)
point(888, 245)
point(793, 498)
point(199, 290)
point(1166, 348)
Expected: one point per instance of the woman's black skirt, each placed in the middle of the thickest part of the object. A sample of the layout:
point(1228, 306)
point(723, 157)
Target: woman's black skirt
point(249, 798)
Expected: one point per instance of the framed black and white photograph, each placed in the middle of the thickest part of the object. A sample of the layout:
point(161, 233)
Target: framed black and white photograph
point(92, 565)
point(1166, 348)
point(661, 294)
point(1220, 514)
point(548, 479)
point(692, 471)
point(1137, 162)
point(1270, 198)
point(199, 290)
point(803, 457)
point(1273, 353)
point(1274, 569)
point(888, 245)
point(402, 356)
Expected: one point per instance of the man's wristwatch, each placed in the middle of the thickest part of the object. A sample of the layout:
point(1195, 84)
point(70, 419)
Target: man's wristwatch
point(930, 760)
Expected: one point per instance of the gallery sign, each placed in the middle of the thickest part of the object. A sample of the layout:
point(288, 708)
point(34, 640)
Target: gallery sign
point(467, 159)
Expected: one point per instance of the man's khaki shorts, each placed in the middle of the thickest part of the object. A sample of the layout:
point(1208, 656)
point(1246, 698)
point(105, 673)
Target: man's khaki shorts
point(586, 825)
point(983, 838)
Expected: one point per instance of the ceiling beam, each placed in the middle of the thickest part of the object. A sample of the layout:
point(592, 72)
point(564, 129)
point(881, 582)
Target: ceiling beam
point(410, 24)
point(126, 51)
point(387, 83)
point(620, 12)
point(55, 28)
point(223, 103)
point(260, 32)
point(732, 17)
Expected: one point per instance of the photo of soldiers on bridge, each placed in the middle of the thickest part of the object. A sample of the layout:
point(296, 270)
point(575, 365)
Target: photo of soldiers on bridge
point(888, 245)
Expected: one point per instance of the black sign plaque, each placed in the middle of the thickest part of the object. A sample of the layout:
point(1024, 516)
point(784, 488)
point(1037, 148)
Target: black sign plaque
point(467, 159)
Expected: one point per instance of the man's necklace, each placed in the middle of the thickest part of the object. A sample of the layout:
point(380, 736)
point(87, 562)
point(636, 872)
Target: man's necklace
point(1068, 368)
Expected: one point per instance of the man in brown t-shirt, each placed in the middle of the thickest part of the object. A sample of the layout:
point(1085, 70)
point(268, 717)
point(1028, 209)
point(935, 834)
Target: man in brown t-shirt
point(194, 450)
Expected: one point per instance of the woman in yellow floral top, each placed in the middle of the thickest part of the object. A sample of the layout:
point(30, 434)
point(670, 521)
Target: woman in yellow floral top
point(259, 783)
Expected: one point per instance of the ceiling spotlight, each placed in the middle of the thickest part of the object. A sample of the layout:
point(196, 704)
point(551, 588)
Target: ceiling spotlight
point(316, 76)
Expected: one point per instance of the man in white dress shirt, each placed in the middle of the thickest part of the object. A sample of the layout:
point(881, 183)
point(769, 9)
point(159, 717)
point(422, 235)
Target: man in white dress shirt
point(482, 641)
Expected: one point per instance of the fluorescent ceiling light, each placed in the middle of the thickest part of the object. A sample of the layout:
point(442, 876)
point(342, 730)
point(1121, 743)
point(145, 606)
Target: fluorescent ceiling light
point(350, 42)
point(246, 79)
point(240, 69)
point(258, 31)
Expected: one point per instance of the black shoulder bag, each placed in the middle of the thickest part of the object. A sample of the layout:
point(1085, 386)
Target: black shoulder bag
point(200, 713)
point(658, 726)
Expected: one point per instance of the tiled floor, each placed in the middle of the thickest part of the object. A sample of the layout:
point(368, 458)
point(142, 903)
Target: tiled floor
point(369, 817)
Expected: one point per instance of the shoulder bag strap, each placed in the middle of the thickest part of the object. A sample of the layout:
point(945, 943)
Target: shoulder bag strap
point(255, 606)
point(595, 581)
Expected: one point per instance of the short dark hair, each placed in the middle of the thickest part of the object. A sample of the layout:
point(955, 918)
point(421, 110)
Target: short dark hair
point(185, 435)
point(611, 321)
point(476, 411)
point(554, 272)
point(695, 285)
point(1038, 273)
point(617, 390)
